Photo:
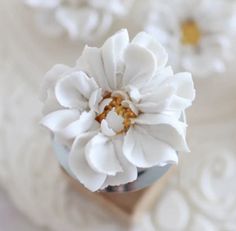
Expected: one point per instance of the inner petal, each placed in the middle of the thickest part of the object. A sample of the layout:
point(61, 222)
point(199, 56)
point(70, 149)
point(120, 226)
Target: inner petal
point(115, 121)
point(117, 114)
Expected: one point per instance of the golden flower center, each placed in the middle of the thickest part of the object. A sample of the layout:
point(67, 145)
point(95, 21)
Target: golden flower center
point(191, 33)
point(122, 111)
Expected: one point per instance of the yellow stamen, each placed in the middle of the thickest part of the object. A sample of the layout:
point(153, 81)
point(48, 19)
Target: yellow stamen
point(125, 112)
point(191, 33)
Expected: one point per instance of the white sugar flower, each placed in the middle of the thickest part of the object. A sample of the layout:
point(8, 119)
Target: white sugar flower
point(118, 109)
point(81, 19)
point(197, 33)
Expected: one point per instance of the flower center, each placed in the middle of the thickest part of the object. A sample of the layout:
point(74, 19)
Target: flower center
point(190, 33)
point(125, 112)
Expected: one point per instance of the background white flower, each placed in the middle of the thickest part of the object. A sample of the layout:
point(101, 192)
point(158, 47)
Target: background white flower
point(214, 183)
point(198, 34)
point(118, 109)
point(81, 19)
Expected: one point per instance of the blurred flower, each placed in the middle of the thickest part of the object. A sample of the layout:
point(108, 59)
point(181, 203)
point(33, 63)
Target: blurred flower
point(81, 19)
point(212, 180)
point(197, 33)
point(118, 109)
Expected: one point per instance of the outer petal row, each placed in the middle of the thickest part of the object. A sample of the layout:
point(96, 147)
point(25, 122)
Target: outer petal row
point(98, 162)
point(166, 128)
point(74, 90)
point(167, 93)
point(119, 64)
point(145, 151)
point(79, 165)
point(67, 124)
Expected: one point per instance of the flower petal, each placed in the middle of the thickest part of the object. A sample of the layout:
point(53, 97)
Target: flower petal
point(135, 95)
point(85, 84)
point(131, 105)
point(51, 78)
point(145, 40)
point(101, 155)
point(156, 101)
point(105, 129)
point(79, 165)
point(140, 66)
point(147, 151)
point(79, 23)
point(95, 99)
point(112, 51)
point(103, 104)
point(158, 79)
point(60, 119)
point(51, 104)
point(166, 128)
point(115, 121)
point(92, 63)
point(83, 124)
point(185, 92)
point(72, 90)
point(170, 95)
point(130, 172)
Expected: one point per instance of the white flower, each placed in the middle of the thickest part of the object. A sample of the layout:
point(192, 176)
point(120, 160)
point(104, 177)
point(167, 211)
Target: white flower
point(81, 19)
point(197, 33)
point(118, 109)
point(214, 189)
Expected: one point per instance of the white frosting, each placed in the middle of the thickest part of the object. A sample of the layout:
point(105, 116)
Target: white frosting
point(81, 19)
point(164, 20)
point(115, 122)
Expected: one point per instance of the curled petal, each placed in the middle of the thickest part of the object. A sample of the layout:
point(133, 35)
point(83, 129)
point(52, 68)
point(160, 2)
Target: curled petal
point(130, 172)
point(51, 104)
point(129, 104)
point(158, 80)
point(140, 66)
point(101, 155)
point(156, 101)
point(112, 52)
point(147, 41)
point(147, 151)
point(95, 99)
point(51, 78)
point(105, 129)
point(79, 165)
point(115, 122)
point(166, 128)
point(170, 96)
point(184, 85)
point(103, 104)
point(85, 84)
point(135, 95)
point(83, 124)
point(72, 90)
point(92, 63)
point(60, 119)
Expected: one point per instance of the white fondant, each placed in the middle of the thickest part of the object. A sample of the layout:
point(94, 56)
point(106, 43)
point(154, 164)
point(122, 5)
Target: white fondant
point(164, 20)
point(84, 20)
point(135, 73)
